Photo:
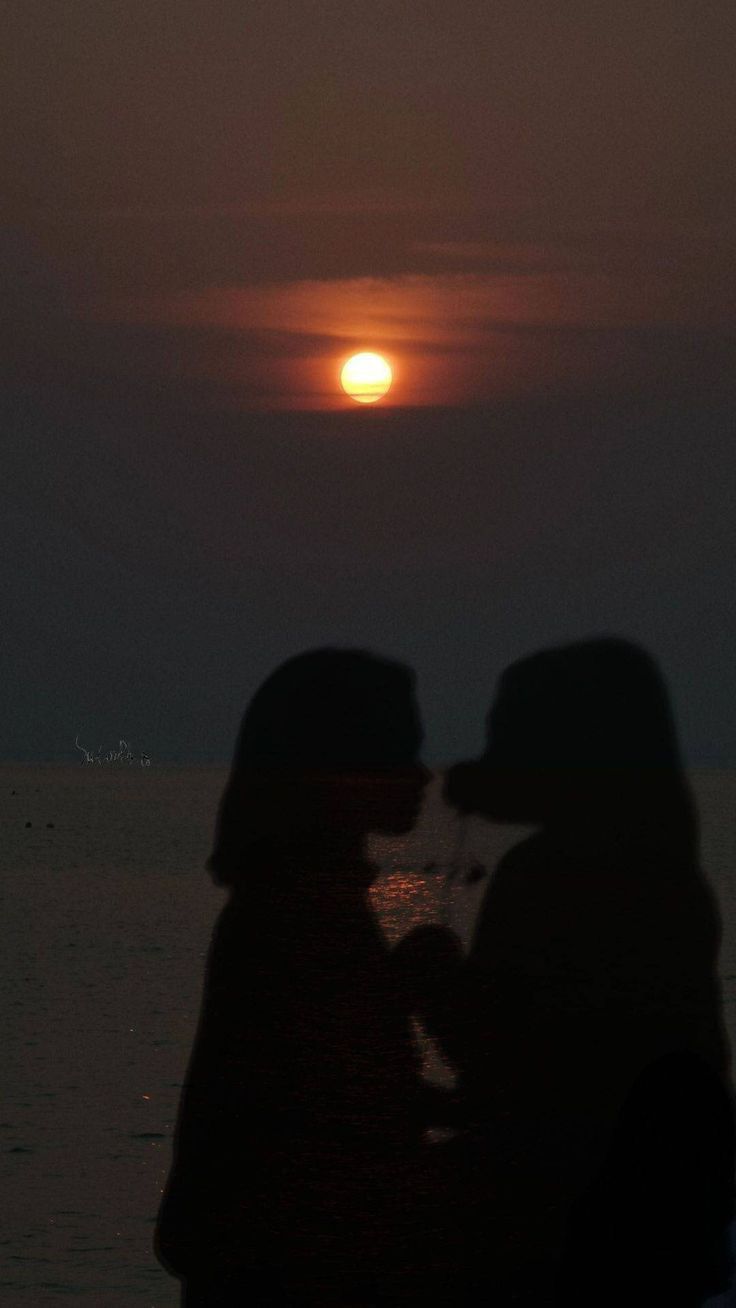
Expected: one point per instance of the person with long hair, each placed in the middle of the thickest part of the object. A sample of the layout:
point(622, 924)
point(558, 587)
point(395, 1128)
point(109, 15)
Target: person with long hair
point(586, 1024)
point(300, 1126)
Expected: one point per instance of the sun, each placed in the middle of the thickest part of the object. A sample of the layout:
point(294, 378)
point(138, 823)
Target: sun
point(366, 377)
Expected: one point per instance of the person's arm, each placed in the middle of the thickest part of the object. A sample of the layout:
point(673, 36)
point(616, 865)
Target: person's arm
point(431, 970)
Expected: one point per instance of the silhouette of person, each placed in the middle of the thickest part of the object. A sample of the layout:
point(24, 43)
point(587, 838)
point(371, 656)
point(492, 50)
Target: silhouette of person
point(586, 1023)
point(299, 1134)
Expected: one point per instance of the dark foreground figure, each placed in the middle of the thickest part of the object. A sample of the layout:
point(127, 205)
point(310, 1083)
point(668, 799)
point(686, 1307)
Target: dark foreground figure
point(298, 1172)
point(596, 1162)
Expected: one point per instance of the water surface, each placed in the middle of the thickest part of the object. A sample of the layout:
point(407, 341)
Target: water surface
point(107, 913)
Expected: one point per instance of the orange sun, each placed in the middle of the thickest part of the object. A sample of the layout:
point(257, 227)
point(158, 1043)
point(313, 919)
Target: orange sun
point(366, 377)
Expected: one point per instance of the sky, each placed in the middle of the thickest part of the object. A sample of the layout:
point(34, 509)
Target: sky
point(207, 207)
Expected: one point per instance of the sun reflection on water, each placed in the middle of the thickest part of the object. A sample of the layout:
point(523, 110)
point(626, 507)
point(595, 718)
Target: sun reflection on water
point(405, 898)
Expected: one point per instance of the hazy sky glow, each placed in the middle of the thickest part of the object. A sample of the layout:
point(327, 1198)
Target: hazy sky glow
point(463, 336)
point(528, 209)
point(476, 172)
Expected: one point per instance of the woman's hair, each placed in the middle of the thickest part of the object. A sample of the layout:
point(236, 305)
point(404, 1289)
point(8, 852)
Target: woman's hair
point(594, 703)
point(326, 712)
point(587, 728)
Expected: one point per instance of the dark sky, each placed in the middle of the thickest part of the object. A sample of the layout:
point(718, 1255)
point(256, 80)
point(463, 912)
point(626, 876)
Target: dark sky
point(208, 206)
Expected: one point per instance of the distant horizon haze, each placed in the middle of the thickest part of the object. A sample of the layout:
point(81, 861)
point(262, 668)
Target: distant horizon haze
point(156, 570)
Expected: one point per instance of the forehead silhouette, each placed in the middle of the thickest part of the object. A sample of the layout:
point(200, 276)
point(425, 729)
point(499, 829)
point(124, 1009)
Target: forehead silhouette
point(332, 708)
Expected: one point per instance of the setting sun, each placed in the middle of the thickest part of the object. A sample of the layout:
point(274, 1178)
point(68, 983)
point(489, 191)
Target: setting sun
point(366, 377)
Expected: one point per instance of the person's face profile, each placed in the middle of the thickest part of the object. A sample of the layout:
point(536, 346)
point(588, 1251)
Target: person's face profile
point(480, 786)
point(394, 792)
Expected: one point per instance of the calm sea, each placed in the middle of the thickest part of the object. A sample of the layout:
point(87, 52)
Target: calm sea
point(107, 913)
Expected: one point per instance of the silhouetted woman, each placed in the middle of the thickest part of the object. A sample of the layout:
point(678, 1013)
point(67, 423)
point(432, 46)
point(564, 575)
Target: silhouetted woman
point(299, 1127)
point(586, 1023)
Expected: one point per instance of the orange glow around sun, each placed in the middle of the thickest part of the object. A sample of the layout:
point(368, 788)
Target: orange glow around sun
point(366, 377)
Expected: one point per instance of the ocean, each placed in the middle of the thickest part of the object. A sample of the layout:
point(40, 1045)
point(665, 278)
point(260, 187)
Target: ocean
point(107, 913)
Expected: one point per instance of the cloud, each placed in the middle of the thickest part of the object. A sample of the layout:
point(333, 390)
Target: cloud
point(539, 315)
point(601, 282)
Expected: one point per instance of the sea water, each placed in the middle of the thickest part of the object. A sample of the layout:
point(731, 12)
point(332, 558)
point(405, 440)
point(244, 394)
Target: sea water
point(107, 913)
